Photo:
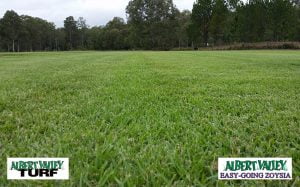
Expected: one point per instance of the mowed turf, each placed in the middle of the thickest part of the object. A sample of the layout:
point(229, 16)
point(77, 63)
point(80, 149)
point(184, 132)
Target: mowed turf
point(149, 118)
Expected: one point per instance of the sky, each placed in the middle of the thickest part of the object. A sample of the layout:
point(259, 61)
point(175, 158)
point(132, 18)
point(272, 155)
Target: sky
point(96, 12)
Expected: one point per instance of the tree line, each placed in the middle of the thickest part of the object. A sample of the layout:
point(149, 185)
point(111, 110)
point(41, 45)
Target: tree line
point(159, 25)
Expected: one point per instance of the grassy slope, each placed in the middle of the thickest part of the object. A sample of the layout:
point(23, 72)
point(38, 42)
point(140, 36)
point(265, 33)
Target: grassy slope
point(149, 118)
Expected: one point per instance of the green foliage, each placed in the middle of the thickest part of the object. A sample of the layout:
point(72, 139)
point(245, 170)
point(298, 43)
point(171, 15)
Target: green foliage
point(298, 26)
point(71, 29)
point(159, 25)
point(201, 18)
point(10, 26)
point(283, 18)
point(112, 36)
point(151, 23)
point(218, 21)
point(184, 20)
point(37, 34)
point(149, 118)
point(83, 28)
point(235, 21)
point(115, 34)
point(251, 21)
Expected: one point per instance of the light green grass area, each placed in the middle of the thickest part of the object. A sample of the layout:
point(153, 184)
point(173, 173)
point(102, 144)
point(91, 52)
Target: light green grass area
point(149, 118)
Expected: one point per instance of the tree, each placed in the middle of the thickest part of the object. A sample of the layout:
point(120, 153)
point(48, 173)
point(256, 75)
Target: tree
point(71, 29)
point(1, 43)
point(151, 23)
point(183, 19)
point(37, 34)
point(297, 37)
point(201, 17)
point(159, 25)
point(115, 34)
point(217, 25)
point(82, 27)
point(60, 39)
point(95, 36)
point(251, 21)
point(283, 18)
point(10, 26)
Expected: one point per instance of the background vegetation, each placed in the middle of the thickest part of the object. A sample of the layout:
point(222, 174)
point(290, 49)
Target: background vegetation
point(159, 25)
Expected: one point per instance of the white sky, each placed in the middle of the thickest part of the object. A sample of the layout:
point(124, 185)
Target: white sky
point(96, 12)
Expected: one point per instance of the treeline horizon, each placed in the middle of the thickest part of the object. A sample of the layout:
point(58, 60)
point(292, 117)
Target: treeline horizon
point(159, 25)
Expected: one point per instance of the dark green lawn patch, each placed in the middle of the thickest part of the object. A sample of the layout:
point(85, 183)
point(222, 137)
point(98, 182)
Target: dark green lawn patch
point(150, 118)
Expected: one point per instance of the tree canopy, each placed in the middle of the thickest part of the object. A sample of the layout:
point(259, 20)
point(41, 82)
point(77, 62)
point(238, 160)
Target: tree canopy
point(158, 24)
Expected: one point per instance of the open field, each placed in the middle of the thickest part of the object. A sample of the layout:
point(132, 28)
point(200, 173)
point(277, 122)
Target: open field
point(150, 118)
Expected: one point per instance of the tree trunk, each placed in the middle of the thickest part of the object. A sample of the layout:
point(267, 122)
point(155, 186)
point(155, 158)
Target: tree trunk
point(205, 38)
point(13, 46)
point(82, 40)
point(56, 45)
point(71, 45)
point(18, 46)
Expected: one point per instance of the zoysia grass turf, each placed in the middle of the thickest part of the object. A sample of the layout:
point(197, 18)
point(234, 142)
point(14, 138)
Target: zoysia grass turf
point(149, 118)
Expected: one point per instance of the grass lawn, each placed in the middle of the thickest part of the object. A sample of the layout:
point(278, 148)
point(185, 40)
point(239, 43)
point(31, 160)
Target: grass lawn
point(149, 118)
